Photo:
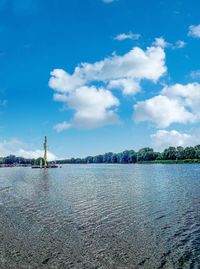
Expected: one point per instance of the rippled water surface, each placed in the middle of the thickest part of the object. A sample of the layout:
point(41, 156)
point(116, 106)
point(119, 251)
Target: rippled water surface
point(100, 216)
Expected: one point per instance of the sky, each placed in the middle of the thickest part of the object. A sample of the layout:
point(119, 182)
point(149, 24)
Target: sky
point(98, 75)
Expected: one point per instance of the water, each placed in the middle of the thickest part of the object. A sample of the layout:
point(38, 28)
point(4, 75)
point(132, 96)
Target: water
point(100, 216)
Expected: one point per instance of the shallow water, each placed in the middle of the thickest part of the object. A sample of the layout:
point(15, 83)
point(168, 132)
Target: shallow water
point(100, 216)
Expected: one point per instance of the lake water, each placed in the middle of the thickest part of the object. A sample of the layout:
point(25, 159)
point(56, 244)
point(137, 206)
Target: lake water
point(100, 216)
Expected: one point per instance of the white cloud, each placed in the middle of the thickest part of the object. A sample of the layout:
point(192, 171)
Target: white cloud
point(162, 43)
point(93, 108)
point(136, 64)
point(194, 31)
point(16, 147)
point(63, 82)
point(127, 86)
point(81, 92)
point(162, 111)
point(188, 95)
point(62, 126)
point(35, 154)
point(179, 44)
point(125, 36)
point(163, 139)
point(175, 104)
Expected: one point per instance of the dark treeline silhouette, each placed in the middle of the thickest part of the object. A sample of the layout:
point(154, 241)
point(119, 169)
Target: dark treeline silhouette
point(13, 160)
point(175, 154)
point(143, 155)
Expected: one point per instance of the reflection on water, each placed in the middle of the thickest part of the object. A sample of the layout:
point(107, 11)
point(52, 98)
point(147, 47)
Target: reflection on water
point(100, 216)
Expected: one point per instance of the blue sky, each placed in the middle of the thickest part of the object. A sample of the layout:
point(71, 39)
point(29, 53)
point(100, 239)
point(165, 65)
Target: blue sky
point(138, 86)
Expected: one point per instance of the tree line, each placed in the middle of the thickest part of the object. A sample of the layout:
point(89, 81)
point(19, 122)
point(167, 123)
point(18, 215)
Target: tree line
point(128, 156)
point(143, 155)
point(12, 159)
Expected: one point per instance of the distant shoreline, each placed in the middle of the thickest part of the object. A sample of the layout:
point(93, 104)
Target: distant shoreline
point(14, 165)
point(186, 161)
point(171, 155)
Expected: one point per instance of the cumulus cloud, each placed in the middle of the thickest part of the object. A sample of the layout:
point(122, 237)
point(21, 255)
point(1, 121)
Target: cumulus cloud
point(61, 81)
point(162, 43)
point(93, 108)
point(162, 111)
point(137, 64)
point(18, 148)
point(87, 89)
point(188, 95)
point(127, 86)
point(175, 104)
point(163, 139)
point(125, 36)
point(194, 31)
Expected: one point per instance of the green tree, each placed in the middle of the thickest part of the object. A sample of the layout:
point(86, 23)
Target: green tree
point(98, 159)
point(107, 157)
point(38, 161)
point(114, 158)
point(170, 154)
point(180, 153)
point(132, 158)
point(197, 151)
point(189, 153)
point(146, 154)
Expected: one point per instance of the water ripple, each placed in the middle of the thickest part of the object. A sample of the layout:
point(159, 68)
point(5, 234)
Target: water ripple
point(100, 216)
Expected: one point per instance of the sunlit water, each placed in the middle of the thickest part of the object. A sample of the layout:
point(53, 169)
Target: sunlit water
point(100, 216)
